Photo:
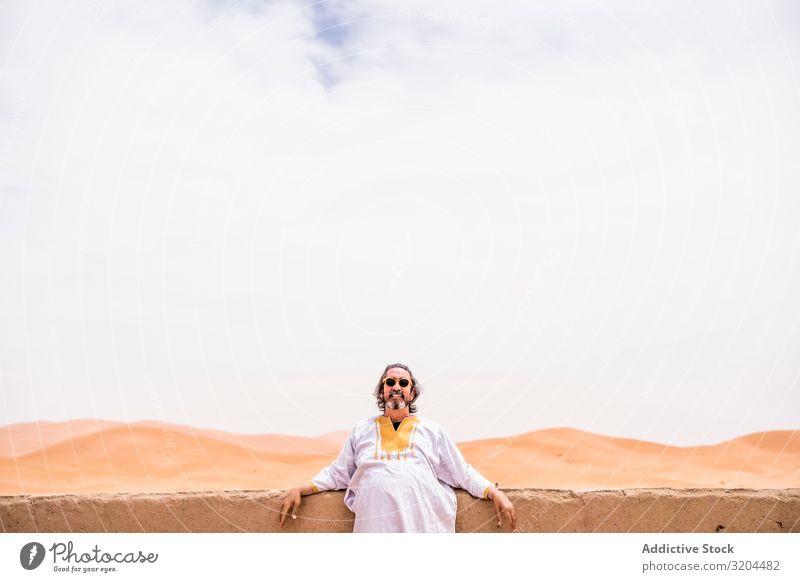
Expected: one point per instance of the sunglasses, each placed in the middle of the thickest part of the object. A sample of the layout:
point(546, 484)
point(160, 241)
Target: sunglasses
point(391, 382)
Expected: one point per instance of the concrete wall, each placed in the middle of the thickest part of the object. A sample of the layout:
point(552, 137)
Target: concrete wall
point(539, 510)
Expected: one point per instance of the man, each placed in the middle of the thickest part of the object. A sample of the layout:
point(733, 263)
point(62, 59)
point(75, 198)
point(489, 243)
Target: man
point(399, 469)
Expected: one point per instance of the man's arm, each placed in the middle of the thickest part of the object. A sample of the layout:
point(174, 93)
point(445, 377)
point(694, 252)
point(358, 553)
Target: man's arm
point(306, 489)
point(455, 471)
point(335, 476)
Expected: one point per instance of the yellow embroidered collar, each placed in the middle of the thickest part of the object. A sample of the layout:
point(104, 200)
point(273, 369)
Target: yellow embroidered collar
point(392, 440)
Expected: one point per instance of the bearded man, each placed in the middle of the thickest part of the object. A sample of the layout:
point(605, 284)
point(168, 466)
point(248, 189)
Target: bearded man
point(399, 469)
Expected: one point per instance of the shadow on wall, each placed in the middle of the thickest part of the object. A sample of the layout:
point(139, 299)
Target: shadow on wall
point(538, 510)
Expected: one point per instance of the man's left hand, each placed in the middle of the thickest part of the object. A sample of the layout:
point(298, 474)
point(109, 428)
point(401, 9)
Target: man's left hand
point(503, 508)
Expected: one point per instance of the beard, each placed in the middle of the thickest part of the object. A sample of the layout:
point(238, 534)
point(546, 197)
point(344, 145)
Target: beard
point(395, 404)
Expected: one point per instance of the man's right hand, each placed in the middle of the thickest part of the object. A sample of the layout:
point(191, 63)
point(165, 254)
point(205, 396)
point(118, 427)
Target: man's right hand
point(291, 503)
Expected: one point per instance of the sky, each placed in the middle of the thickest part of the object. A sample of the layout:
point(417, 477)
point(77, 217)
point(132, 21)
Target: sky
point(233, 215)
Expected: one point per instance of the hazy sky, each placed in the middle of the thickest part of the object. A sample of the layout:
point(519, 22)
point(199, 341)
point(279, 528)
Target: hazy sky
point(234, 214)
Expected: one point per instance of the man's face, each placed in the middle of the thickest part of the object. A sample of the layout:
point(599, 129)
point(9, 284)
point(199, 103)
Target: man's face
point(397, 397)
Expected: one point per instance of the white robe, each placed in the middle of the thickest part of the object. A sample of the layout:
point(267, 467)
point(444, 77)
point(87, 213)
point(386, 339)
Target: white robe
point(401, 481)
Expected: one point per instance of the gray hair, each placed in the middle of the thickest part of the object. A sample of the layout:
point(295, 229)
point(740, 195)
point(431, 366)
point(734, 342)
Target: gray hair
point(412, 408)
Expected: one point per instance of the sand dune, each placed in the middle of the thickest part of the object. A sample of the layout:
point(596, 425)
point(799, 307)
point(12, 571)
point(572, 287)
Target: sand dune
point(564, 457)
point(97, 456)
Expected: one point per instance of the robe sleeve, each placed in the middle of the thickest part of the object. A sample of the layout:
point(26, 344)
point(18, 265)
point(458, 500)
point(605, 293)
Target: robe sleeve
point(454, 470)
point(337, 475)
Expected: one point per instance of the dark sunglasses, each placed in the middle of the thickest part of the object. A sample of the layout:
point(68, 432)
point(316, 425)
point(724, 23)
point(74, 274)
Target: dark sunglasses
point(391, 382)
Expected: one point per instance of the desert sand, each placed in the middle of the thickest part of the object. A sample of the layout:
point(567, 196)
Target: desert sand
point(98, 456)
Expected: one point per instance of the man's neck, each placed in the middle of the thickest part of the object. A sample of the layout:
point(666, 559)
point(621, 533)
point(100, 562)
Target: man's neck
point(397, 415)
